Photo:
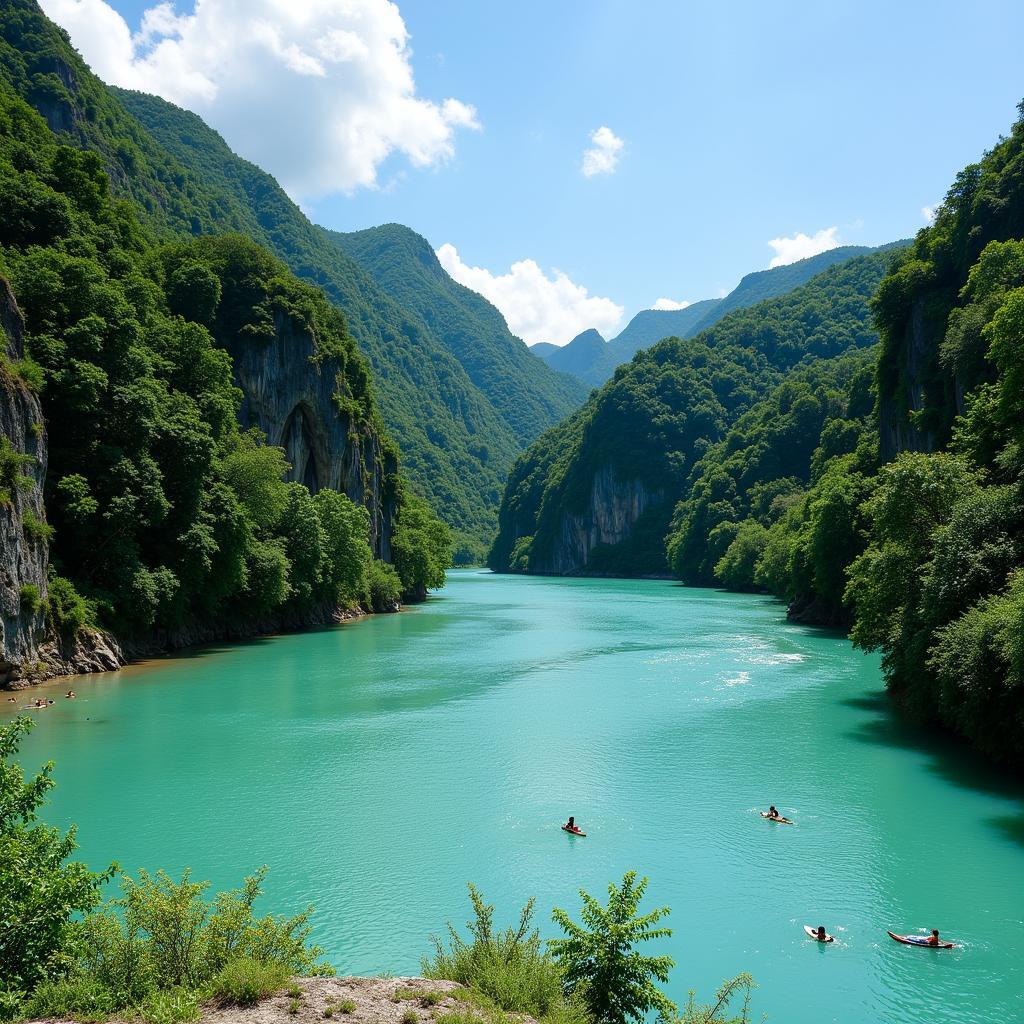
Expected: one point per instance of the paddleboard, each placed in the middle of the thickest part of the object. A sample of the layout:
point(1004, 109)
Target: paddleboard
point(920, 940)
point(781, 821)
point(813, 932)
point(574, 831)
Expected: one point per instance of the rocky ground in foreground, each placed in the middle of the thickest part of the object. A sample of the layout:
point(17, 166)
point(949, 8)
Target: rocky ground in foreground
point(362, 1000)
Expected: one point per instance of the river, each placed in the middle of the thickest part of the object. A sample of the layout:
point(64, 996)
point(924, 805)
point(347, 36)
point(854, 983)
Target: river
point(378, 766)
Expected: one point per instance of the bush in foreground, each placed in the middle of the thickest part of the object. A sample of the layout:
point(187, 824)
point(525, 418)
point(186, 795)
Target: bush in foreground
point(155, 953)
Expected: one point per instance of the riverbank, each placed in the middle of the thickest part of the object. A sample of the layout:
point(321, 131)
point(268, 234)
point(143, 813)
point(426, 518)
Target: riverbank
point(94, 651)
point(359, 1000)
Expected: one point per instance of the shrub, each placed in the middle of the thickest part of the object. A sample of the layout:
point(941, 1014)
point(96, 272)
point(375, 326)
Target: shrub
point(245, 981)
point(36, 529)
point(78, 997)
point(346, 1005)
point(384, 586)
point(13, 477)
point(600, 962)
point(410, 1017)
point(41, 889)
point(66, 610)
point(508, 967)
point(29, 598)
point(170, 1007)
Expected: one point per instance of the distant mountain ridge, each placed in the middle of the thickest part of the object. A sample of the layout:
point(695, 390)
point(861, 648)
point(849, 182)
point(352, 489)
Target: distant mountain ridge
point(651, 325)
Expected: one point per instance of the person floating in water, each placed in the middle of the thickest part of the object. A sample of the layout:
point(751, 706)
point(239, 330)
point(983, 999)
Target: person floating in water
point(822, 936)
point(70, 695)
point(933, 939)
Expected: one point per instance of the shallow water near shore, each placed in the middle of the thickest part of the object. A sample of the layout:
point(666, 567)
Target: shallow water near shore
point(378, 766)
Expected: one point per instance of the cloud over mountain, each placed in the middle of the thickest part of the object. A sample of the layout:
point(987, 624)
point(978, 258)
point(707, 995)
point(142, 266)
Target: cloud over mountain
point(536, 306)
point(318, 92)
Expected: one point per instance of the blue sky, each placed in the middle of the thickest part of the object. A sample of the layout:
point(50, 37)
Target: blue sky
point(740, 123)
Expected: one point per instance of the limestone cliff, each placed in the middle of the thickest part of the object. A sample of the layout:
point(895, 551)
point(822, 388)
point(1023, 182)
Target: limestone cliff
point(614, 507)
point(23, 548)
point(917, 351)
point(297, 401)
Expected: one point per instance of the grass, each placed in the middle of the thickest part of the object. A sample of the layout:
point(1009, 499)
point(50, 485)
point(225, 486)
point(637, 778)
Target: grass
point(245, 981)
point(410, 1017)
point(294, 991)
point(346, 1005)
point(294, 1005)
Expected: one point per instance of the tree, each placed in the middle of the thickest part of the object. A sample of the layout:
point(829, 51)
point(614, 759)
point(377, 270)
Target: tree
point(421, 548)
point(599, 961)
point(40, 890)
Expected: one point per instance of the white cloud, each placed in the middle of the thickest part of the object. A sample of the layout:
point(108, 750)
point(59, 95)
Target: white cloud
point(928, 212)
point(800, 246)
point(318, 92)
point(603, 155)
point(535, 306)
point(670, 304)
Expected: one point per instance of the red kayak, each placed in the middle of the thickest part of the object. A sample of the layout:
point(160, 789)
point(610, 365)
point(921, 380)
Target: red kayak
point(921, 940)
point(574, 831)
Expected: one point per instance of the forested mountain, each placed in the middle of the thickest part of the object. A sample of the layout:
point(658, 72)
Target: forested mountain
point(528, 397)
point(596, 493)
point(595, 364)
point(882, 491)
point(144, 371)
point(579, 356)
point(457, 444)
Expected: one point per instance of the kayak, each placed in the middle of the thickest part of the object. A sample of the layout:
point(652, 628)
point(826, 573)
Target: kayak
point(781, 821)
point(574, 831)
point(920, 940)
point(813, 932)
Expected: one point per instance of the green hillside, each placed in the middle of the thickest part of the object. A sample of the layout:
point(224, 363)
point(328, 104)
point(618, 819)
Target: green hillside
point(530, 398)
point(457, 444)
point(624, 458)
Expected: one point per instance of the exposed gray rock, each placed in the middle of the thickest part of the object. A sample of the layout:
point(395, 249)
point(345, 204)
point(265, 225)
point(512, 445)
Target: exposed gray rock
point(897, 433)
point(293, 401)
point(23, 554)
point(613, 508)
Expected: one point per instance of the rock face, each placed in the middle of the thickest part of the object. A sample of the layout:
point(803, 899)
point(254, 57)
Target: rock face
point(294, 401)
point(23, 550)
point(896, 431)
point(612, 511)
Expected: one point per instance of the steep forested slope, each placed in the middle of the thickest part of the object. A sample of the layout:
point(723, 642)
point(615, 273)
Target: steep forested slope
point(530, 398)
point(596, 493)
point(595, 364)
point(457, 444)
point(909, 528)
point(162, 512)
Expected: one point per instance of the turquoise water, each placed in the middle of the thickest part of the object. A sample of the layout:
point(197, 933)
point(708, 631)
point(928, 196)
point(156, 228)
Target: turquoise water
point(379, 766)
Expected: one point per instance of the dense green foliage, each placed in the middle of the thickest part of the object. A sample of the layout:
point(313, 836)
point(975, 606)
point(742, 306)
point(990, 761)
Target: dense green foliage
point(600, 961)
point(40, 889)
point(595, 974)
point(662, 413)
point(528, 397)
point(155, 952)
point(758, 475)
point(164, 511)
point(459, 393)
point(595, 363)
point(460, 399)
point(508, 967)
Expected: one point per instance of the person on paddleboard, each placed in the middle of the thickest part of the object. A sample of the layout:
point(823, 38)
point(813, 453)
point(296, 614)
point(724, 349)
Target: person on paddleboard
point(933, 939)
point(571, 825)
point(822, 936)
point(773, 813)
